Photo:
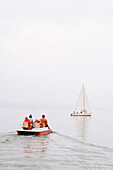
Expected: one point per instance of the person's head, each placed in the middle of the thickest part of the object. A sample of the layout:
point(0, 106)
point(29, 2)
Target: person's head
point(43, 116)
point(30, 116)
point(26, 117)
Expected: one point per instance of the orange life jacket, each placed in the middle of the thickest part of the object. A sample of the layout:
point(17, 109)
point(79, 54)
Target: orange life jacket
point(29, 123)
point(26, 120)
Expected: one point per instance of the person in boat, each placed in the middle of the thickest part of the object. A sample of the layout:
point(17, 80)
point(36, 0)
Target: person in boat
point(31, 119)
point(26, 119)
point(29, 123)
point(37, 120)
point(43, 120)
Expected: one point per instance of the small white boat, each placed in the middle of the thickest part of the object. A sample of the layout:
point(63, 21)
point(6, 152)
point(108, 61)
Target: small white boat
point(82, 106)
point(36, 130)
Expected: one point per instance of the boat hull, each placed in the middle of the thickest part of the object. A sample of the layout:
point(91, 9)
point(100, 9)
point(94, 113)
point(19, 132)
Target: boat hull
point(38, 131)
point(80, 114)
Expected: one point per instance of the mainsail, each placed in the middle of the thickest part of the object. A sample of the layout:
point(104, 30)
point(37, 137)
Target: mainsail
point(82, 103)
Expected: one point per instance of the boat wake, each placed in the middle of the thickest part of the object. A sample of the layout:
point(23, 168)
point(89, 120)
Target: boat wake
point(85, 143)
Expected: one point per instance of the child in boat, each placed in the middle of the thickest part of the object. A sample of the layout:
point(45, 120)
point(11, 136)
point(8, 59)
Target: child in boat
point(29, 123)
point(31, 119)
point(38, 121)
point(26, 119)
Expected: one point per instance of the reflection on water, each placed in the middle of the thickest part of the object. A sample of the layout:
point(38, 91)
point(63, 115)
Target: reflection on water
point(53, 151)
point(82, 124)
point(35, 146)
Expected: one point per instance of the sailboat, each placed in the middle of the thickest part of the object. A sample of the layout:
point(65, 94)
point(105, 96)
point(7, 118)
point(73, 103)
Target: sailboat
point(82, 106)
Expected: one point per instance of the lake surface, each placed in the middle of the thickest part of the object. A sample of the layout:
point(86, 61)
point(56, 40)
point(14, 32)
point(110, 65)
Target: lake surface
point(77, 143)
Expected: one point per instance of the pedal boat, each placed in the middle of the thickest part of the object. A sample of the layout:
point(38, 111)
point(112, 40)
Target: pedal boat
point(36, 130)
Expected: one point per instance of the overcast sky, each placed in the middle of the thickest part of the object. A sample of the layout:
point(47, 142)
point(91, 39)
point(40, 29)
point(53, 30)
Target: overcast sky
point(49, 48)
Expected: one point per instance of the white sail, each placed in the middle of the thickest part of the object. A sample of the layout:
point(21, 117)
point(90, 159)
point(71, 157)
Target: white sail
point(82, 103)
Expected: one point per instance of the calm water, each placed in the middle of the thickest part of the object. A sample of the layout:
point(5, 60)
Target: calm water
point(77, 143)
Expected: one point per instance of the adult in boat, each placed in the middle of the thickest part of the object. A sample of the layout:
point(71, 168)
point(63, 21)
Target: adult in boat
point(31, 119)
point(43, 120)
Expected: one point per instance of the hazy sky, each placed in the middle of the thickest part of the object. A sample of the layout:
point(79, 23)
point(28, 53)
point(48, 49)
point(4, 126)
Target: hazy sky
point(49, 48)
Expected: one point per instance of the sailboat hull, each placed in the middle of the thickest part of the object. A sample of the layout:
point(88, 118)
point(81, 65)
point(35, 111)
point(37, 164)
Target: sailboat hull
point(80, 114)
